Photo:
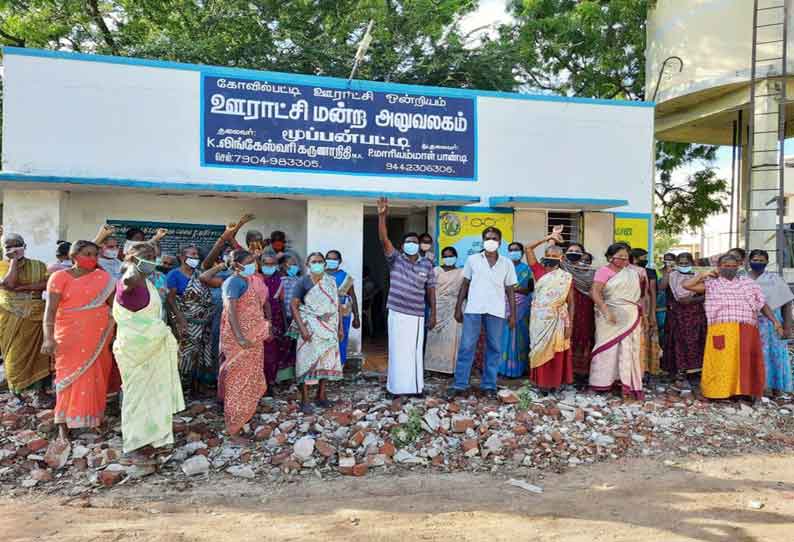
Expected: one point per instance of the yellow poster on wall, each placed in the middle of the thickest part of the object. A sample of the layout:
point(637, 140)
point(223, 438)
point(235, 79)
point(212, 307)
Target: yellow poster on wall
point(462, 227)
point(634, 230)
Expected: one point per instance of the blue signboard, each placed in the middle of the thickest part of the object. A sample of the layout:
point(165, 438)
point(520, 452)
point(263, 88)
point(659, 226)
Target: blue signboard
point(265, 125)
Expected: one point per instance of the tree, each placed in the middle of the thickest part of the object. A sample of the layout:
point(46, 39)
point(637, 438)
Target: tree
point(596, 48)
point(414, 41)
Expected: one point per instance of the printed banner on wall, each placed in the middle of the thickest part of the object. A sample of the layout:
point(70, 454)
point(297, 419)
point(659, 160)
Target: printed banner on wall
point(179, 235)
point(634, 231)
point(462, 228)
point(265, 125)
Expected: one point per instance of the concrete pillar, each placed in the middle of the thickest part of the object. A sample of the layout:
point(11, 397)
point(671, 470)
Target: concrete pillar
point(339, 225)
point(38, 216)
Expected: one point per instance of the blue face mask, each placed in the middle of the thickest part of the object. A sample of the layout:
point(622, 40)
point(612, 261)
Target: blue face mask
point(758, 267)
point(317, 268)
point(449, 261)
point(332, 265)
point(515, 255)
point(292, 270)
point(411, 248)
point(248, 269)
point(269, 270)
point(686, 269)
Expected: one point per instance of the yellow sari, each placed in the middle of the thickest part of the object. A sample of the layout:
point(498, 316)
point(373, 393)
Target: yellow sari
point(21, 334)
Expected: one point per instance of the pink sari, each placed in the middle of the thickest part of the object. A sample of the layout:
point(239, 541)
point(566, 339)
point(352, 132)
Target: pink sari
point(617, 355)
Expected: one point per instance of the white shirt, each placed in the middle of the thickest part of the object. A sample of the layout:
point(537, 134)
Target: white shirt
point(487, 289)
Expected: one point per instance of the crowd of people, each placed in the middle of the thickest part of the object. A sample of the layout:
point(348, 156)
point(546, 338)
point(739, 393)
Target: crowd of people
point(107, 319)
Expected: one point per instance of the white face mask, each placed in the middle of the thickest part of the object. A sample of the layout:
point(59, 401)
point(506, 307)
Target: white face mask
point(192, 262)
point(110, 253)
point(491, 245)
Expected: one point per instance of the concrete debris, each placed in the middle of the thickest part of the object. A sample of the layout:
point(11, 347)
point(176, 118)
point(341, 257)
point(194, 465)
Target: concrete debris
point(526, 486)
point(519, 434)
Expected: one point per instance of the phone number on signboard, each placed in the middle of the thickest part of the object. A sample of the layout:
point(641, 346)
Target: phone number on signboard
point(419, 168)
point(265, 160)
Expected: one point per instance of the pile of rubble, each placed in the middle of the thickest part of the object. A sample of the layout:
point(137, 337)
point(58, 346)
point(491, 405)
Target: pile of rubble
point(366, 432)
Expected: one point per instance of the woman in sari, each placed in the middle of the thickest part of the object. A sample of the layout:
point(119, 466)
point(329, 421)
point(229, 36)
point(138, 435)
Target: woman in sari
point(515, 341)
point(244, 330)
point(78, 330)
point(578, 263)
point(147, 355)
point(317, 323)
point(21, 313)
point(190, 309)
point(279, 354)
point(778, 297)
point(550, 321)
point(733, 362)
point(443, 340)
point(651, 350)
point(290, 277)
point(685, 338)
point(668, 265)
point(617, 354)
point(348, 302)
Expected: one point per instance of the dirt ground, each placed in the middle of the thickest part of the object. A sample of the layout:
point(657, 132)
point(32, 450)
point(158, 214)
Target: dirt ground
point(620, 501)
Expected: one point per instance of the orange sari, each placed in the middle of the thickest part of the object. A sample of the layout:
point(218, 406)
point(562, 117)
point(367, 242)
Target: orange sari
point(83, 332)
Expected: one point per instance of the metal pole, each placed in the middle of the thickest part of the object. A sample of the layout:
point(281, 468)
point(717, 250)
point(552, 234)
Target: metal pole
point(781, 201)
point(751, 139)
point(741, 179)
point(733, 184)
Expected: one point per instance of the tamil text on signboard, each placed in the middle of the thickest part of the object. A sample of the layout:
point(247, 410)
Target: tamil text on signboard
point(179, 235)
point(267, 125)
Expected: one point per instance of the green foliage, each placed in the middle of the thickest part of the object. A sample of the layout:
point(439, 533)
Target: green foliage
point(596, 48)
point(414, 41)
point(525, 397)
point(406, 434)
point(662, 243)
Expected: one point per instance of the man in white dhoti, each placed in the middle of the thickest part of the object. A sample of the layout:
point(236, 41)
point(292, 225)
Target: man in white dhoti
point(412, 284)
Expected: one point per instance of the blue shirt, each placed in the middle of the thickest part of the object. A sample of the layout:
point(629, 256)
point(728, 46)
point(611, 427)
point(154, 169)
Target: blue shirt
point(177, 279)
point(234, 287)
point(217, 295)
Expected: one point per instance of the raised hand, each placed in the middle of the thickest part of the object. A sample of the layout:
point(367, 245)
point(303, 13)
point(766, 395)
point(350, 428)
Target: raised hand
point(160, 233)
point(383, 206)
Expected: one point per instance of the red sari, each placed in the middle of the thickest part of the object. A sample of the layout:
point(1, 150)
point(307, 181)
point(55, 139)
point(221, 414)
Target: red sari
point(83, 332)
point(583, 333)
point(241, 380)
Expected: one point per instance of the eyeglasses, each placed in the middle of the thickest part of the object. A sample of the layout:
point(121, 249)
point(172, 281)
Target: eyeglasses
point(619, 258)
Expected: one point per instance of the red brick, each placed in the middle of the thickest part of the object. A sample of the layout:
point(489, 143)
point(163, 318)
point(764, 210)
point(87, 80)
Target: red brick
point(388, 449)
point(325, 449)
point(360, 469)
point(110, 478)
point(459, 425)
point(38, 444)
point(357, 438)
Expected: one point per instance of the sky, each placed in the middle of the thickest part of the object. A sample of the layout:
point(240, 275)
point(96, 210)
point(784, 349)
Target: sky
point(490, 12)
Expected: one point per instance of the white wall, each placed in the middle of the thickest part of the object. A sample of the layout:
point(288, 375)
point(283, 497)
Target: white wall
point(65, 117)
point(36, 215)
point(339, 226)
point(86, 211)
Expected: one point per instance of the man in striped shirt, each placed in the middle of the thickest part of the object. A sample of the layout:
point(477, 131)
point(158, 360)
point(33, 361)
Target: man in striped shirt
point(412, 284)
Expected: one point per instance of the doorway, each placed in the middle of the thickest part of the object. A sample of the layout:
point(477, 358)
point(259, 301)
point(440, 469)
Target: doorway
point(375, 280)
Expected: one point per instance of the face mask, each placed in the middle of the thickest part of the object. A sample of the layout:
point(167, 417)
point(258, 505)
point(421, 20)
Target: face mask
point(316, 268)
point(574, 257)
point(425, 246)
point(729, 274)
point(269, 270)
point(685, 269)
point(164, 268)
point(278, 246)
point(411, 248)
point(642, 263)
point(16, 252)
point(145, 267)
point(550, 262)
point(110, 253)
point(515, 255)
point(248, 269)
point(193, 262)
point(620, 264)
point(491, 245)
point(758, 267)
point(332, 264)
point(292, 270)
point(449, 261)
point(85, 262)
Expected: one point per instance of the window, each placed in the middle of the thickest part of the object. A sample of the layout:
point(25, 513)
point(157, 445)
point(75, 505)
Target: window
point(571, 223)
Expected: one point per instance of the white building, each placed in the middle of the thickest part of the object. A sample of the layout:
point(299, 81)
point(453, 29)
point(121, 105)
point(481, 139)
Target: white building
point(89, 139)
